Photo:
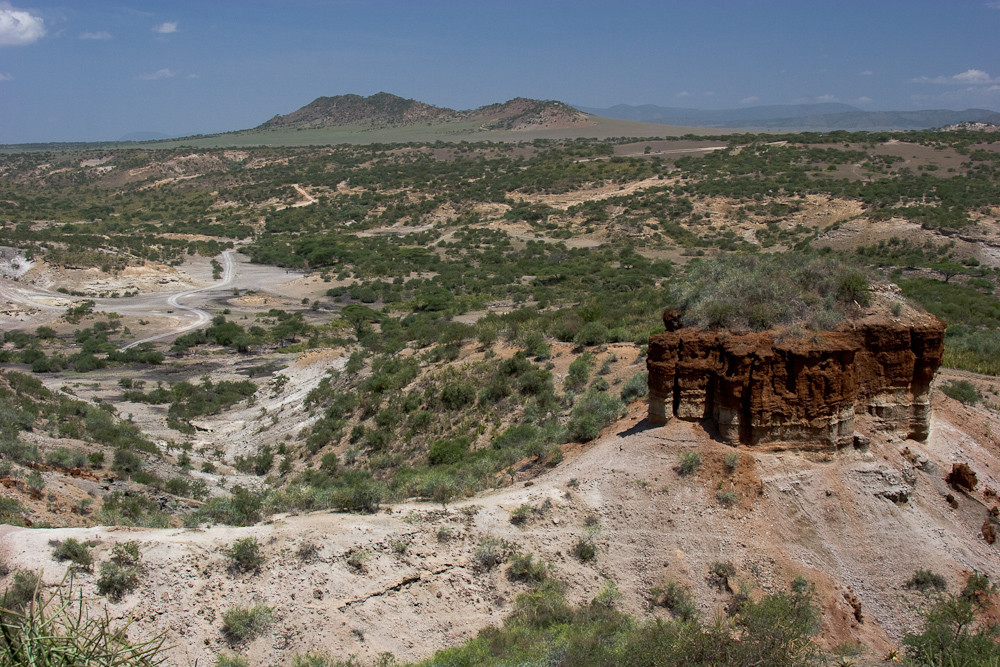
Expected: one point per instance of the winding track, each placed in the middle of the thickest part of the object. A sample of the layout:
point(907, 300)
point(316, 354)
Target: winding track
point(201, 317)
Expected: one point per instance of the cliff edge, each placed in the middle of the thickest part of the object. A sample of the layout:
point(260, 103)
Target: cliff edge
point(777, 390)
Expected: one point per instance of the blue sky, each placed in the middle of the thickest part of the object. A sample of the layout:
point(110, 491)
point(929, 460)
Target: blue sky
point(86, 70)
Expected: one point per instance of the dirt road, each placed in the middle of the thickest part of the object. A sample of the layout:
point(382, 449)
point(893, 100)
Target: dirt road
point(199, 317)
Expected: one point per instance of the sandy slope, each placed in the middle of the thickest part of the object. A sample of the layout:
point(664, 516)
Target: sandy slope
point(421, 589)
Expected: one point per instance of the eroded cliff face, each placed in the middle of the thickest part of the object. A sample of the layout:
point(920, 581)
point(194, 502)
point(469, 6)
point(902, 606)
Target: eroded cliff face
point(776, 390)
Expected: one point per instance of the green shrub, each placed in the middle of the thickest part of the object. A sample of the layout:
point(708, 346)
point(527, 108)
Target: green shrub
point(66, 458)
point(521, 514)
point(727, 498)
point(585, 550)
point(358, 560)
point(963, 391)
point(245, 555)
point(490, 552)
point(120, 574)
point(60, 631)
point(925, 580)
point(457, 395)
point(231, 660)
point(592, 412)
point(447, 451)
point(677, 598)
point(744, 291)
point(635, 387)
point(120, 509)
point(592, 333)
point(524, 567)
point(24, 588)
point(116, 580)
point(689, 462)
point(75, 551)
point(11, 511)
point(243, 507)
point(731, 461)
point(579, 373)
point(240, 624)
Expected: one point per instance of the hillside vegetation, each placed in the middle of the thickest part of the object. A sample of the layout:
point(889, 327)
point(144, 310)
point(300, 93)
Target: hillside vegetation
point(428, 321)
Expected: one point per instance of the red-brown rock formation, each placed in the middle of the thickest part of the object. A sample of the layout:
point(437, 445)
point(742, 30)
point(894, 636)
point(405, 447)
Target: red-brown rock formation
point(766, 389)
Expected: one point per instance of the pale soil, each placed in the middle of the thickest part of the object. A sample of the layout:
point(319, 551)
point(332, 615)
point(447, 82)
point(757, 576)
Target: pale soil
point(817, 515)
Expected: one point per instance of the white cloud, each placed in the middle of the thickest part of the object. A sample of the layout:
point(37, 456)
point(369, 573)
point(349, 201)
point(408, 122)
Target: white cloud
point(826, 98)
point(19, 27)
point(166, 28)
point(863, 100)
point(103, 34)
point(975, 77)
point(867, 72)
point(6, 77)
point(683, 93)
point(750, 100)
point(993, 5)
point(192, 76)
point(165, 73)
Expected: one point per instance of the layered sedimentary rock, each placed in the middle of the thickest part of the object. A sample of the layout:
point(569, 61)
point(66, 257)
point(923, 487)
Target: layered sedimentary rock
point(776, 390)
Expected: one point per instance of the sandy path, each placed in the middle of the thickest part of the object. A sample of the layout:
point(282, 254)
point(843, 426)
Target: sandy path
point(200, 317)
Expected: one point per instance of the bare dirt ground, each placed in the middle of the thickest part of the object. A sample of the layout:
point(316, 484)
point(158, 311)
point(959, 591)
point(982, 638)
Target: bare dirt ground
point(822, 516)
point(169, 299)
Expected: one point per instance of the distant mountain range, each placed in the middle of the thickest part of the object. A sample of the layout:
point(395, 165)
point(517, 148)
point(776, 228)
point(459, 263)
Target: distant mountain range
point(387, 110)
point(796, 117)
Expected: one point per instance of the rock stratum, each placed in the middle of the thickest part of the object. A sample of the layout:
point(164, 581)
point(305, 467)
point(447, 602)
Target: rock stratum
point(779, 391)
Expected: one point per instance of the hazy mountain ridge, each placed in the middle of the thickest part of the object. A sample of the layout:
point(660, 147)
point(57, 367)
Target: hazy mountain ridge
point(796, 117)
point(386, 109)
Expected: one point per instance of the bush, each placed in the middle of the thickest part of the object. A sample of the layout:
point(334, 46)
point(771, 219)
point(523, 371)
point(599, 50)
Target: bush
point(925, 580)
point(524, 567)
point(636, 387)
point(117, 580)
point(490, 552)
point(74, 551)
point(66, 458)
point(585, 550)
point(60, 631)
point(444, 452)
point(591, 333)
point(457, 395)
point(688, 463)
point(677, 598)
point(243, 507)
point(231, 660)
point(241, 624)
point(521, 514)
point(23, 589)
point(579, 373)
point(244, 555)
point(963, 391)
point(593, 412)
point(740, 291)
point(120, 575)
point(727, 498)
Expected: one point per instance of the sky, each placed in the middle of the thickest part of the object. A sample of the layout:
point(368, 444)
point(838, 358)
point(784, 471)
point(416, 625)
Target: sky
point(92, 70)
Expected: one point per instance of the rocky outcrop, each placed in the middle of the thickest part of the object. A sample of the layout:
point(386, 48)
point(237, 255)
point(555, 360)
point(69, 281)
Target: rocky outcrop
point(778, 390)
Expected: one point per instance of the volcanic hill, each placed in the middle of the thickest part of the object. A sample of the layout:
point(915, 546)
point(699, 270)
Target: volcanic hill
point(388, 110)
